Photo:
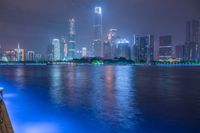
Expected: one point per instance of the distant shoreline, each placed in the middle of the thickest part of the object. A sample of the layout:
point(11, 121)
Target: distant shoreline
point(70, 63)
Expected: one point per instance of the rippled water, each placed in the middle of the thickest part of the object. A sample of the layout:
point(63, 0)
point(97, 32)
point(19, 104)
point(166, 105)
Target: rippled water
point(102, 99)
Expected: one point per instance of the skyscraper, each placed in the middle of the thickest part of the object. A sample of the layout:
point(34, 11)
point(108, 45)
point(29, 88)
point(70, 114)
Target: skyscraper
point(62, 48)
point(192, 41)
point(1, 52)
point(112, 40)
point(112, 35)
point(107, 50)
point(18, 52)
point(143, 48)
point(179, 51)
point(72, 40)
point(30, 56)
point(123, 48)
point(65, 51)
point(56, 49)
point(84, 52)
point(98, 48)
point(20, 55)
point(50, 49)
point(165, 48)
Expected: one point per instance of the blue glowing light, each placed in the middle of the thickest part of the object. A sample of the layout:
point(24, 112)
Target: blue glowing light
point(122, 41)
point(98, 10)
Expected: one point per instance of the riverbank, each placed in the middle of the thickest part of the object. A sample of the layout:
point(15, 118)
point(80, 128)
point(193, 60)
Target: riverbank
point(5, 123)
point(70, 63)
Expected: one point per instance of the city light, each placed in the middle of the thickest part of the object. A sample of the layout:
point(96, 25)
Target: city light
point(100, 66)
point(122, 41)
point(98, 10)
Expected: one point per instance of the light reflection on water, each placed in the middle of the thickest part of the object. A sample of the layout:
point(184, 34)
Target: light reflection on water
point(82, 99)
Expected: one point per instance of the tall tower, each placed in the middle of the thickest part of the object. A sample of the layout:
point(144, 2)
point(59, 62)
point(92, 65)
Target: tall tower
point(72, 40)
point(56, 49)
point(62, 48)
point(192, 40)
point(18, 52)
point(98, 48)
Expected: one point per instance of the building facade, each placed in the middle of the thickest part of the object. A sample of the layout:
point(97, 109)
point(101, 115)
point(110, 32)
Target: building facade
point(179, 52)
point(9, 55)
point(192, 45)
point(107, 50)
point(62, 48)
point(30, 56)
point(84, 52)
point(97, 43)
point(72, 41)
point(1, 53)
point(112, 39)
point(165, 48)
point(56, 49)
point(143, 48)
point(123, 49)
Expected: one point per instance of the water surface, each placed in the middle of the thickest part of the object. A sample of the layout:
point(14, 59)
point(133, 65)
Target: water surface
point(102, 99)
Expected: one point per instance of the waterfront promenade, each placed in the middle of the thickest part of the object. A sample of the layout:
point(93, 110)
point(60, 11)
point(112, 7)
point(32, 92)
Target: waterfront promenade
point(5, 123)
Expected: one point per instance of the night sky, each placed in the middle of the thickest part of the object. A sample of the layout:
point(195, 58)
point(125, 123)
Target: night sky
point(33, 23)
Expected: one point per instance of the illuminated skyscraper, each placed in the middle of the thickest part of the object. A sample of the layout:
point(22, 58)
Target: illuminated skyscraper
point(1, 52)
point(65, 51)
point(165, 48)
point(112, 35)
point(50, 49)
point(30, 56)
point(112, 39)
point(72, 40)
point(143, 48)
point(84, 52)
point(18, 53)
point(62, 45)
point(192, 51)
point(107, 50)
point(56, 49)
point(10, 55)
point(179, 52)
point(98, 48)
point(123, 48)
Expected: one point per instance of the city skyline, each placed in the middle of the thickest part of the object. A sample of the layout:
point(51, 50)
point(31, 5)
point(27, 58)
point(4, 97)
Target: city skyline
point(38, 34)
